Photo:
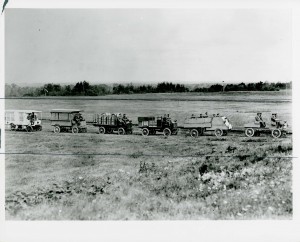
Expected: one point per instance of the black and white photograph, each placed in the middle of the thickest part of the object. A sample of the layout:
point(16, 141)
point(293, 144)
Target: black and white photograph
point(148, 114)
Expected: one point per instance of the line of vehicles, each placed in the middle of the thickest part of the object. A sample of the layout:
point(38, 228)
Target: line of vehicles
point(66, 120)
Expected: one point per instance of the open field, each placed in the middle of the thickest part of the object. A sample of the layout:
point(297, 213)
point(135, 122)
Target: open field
point(90, 176)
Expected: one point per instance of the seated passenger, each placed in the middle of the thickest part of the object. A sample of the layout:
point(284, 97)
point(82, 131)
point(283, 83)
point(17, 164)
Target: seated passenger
point(273, 119)
point(259, 120)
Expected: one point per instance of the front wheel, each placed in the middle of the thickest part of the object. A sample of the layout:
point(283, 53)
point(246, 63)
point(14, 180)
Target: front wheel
point(75, 130)
point(218, 132)
point(101, 130)
point(121, 131)
point(276, 133)
point(249, 132)
point(194, 133)
point(145, 132)
point(167, 132)
point(56, 129)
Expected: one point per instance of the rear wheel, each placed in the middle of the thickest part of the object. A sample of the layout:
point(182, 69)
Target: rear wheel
point(56, 129)
point(249, 132)
point(218, 132)
point(101, 130)
point(121, 131)
point(145, 132)
point(194, 133)
point(12, 127)
point(276, 133)
point(75, 130)
point(167, 132)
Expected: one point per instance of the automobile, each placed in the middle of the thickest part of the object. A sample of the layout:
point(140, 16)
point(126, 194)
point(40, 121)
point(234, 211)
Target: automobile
point(278, 127)
point(27, 120)
point(220, 125)
point(65, 120)
point(151, 125)
point(115, 122)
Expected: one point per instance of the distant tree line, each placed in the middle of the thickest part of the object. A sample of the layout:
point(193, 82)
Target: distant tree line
point(86, 89)
point(259, 86)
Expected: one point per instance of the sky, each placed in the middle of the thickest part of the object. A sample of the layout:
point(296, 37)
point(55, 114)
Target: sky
point(147, 45)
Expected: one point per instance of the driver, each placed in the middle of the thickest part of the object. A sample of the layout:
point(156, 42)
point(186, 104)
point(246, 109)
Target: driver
point(258, 119)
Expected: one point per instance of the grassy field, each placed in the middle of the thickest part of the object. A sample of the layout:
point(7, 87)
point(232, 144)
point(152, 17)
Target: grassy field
point(90, 176)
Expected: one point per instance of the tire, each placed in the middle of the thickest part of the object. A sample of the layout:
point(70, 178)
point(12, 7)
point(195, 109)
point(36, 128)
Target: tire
point(194, 133)
point(121, 131)
point(276, 133)
point(56, 129)
point(218, 132)
point(145, 132)
point(167, 132)
point(75, 130)
point(12, 127)
point(101, 130)
point(29, 129)
point(249, 132)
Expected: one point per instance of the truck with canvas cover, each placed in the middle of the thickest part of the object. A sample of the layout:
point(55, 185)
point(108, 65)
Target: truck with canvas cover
point(220, 125)
point(151, 125)
point(109, 123)
point(28, 120)
point(64, 120)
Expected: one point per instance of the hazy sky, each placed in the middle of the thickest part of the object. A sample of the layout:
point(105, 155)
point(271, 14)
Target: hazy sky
point(144, 45)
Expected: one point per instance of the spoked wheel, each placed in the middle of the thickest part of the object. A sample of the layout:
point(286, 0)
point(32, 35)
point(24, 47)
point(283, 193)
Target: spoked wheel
point(75, 130)
point(167, 132)
point(29, 129)
point(145, 132)
point(249, 132)
point(56, 129)
point(101, 130)
point(121, 131)
point(194, 133)
point(218, 132)
point(276, 133)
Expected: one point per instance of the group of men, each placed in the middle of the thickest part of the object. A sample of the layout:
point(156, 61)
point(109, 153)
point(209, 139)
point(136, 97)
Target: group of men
point(275, 122)
point(205, 115)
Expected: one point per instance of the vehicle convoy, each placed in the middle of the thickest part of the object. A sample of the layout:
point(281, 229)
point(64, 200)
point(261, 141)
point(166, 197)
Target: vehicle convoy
point(28, 120)
point(278, 128)
point(198, 125)
point(65, 120)
point(151, 125)
point(109, 123)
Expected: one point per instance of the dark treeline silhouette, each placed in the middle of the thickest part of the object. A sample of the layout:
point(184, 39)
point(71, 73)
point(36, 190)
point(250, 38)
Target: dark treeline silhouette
point(86, 89)
point(259, 86)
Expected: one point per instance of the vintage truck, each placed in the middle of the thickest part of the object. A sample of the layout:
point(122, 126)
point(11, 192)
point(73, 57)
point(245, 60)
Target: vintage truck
point(28, 120)
point(220, 125)
point(64, 120)
point(109, 123)
point(151, 125)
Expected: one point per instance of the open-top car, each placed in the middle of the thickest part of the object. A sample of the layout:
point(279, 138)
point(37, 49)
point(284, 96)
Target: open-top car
point(65, 120)
point(28, 120)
